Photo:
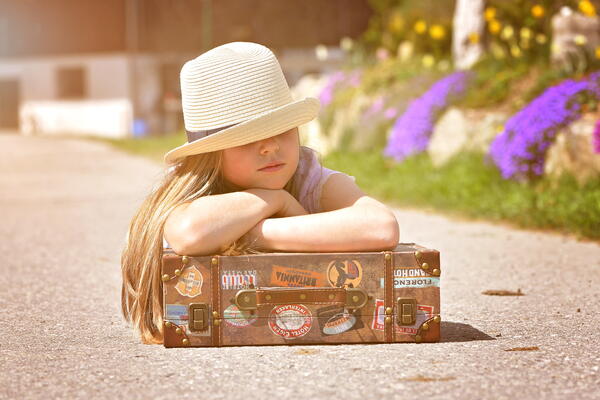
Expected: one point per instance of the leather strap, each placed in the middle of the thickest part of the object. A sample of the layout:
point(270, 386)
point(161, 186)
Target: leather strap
point(308, 295)
point(389, 295)
point(252, 299)
point(215, 290)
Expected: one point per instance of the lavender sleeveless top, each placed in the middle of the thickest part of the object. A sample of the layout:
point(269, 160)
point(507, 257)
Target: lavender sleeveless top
point(311, 176)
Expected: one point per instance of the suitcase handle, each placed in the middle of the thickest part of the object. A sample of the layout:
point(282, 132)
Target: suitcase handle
point(251, 299)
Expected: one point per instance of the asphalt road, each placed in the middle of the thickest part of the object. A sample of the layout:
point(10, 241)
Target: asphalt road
point(64, 208)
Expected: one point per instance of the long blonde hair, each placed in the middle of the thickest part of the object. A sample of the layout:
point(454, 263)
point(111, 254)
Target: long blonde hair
point(141, 259)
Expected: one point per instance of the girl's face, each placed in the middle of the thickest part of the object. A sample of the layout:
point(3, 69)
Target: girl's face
point(242, 164)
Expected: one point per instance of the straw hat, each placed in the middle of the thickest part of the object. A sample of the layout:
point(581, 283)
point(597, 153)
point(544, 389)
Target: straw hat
point(236, 94)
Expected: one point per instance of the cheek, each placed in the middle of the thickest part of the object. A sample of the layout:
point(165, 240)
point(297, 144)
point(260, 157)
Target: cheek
point(235, 168)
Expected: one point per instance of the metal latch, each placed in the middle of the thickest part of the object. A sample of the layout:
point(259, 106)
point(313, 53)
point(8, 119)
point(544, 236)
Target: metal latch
point(407, 311)
point(198, 316)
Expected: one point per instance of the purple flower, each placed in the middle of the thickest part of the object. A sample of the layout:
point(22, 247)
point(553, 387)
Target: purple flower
point(520, 150)
point(597, 137)
point(336, 81)
point(412, 130)
point(375, 108)
point(390, 113)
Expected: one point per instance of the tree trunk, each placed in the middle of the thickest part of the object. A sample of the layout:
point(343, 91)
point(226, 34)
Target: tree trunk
point(468, 19)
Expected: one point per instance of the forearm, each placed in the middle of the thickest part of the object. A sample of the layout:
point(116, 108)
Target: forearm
point(347, 229)
point(214, 222)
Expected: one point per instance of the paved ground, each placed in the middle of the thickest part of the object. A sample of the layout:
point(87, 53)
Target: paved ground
point(64, 209)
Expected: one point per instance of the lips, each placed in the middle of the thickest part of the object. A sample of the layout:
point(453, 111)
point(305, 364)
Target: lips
point(273, 164)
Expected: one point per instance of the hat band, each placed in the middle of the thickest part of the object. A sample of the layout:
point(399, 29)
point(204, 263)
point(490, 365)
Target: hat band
point(193, 136)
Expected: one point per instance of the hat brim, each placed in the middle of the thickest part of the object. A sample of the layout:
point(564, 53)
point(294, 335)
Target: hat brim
point(262, 126)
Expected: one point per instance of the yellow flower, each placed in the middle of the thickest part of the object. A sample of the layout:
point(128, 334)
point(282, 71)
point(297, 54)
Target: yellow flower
point(507, 32)
point(420, 27)
point(443, 65)
point(586, 7)
point(490, 13)
point(555, 48)
point(494, 27)
point(396, 23)
point(497, 50)
point(541, 38)
point(474, 37)
point(346, 43)
point(428, 60)
point(437, 32)
point(580, 40)
point(538, 11)
point(526, 33)
point(515, 50)
point(597, 52)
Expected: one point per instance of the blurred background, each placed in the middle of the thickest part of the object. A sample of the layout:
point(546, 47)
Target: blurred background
point(480, 108)
point(111, 67)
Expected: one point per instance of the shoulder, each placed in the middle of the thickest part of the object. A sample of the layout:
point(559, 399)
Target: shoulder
point(340, 190)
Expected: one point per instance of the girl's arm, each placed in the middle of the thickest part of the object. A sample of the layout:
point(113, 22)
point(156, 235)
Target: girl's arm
point(361, 227)
point(211, 223)
point(351, 221)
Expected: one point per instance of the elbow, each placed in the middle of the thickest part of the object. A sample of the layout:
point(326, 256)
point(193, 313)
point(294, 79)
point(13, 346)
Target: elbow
point(196, 246)
point(389, 234)
point(181, 245)
point(183, 240)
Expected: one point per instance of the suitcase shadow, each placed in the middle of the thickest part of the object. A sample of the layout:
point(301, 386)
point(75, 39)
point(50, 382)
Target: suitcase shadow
point(459, 332)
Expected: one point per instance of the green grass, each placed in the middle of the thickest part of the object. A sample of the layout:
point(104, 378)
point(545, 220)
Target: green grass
point(467, 186)
point(153, 147)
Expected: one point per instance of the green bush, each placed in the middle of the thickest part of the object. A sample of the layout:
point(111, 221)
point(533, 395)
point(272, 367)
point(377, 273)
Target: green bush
point(467, 185)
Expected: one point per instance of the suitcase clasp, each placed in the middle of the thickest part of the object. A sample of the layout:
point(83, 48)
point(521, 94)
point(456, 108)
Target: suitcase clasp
point(198, 316)
point(407, 311)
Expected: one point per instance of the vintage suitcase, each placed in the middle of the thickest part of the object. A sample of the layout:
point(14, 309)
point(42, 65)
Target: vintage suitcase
point(302, 298)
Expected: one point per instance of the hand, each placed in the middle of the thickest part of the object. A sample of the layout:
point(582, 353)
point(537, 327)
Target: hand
point(291, 207)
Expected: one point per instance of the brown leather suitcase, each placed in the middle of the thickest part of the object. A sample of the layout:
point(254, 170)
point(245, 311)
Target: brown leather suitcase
point(302, 298)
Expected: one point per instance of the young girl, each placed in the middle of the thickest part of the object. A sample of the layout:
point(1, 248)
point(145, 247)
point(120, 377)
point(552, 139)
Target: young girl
point(242, 183)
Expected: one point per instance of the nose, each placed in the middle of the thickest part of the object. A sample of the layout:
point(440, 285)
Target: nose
point(269, 144)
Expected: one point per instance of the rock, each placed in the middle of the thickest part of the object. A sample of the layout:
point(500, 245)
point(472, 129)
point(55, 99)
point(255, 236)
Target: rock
point(574, 34)
point(485, 126)
point(572, 151)
point(371, 131)
point(448, 137)
point(458, 130)
point(346, 120)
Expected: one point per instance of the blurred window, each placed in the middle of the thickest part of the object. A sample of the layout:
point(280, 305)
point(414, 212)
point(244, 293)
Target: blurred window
point(71, 83)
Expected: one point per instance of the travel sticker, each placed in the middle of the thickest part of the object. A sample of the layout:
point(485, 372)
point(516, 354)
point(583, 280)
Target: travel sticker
point(177, 312)
point(290, 321)
point(234, 317)
point(424, 313)
point(285, 276)
point(412, 277)
point(190, 282)
point(242, 279)
point(334, 320)
point(344, 273)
